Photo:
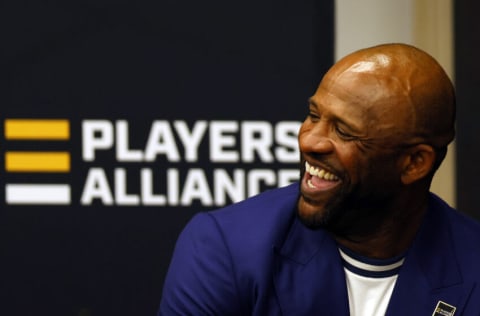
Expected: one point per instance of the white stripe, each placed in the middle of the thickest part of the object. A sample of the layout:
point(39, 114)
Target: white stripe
point(46, 194)
point(370, 267)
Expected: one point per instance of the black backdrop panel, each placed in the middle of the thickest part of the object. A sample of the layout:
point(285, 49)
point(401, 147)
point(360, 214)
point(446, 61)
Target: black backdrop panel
point(122, 119)
point(467, 81)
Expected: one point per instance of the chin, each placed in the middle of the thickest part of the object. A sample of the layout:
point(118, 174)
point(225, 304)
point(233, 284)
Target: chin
point(334, 216)
point(312, 216)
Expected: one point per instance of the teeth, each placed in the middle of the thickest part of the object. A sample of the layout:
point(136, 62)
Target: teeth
point(321, 173)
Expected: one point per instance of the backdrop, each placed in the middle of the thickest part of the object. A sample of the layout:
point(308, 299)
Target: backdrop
point(122, 119)
point(467, 81)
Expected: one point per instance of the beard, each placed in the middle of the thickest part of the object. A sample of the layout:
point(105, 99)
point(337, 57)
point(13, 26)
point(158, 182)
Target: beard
point(350, 212)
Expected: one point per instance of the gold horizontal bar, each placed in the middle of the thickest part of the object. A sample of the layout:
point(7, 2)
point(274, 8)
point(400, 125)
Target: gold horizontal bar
point(37, 129)
point(24, 161)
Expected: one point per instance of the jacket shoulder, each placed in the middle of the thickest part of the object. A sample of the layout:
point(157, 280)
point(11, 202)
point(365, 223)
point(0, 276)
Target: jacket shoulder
point(264, 218)
point(465, 235)
point(223, 257)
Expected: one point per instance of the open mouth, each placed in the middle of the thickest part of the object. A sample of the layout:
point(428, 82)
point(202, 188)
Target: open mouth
point(318, 178)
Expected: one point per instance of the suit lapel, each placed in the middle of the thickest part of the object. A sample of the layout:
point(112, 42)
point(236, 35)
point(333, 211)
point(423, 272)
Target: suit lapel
point(309, 277)
point(430, 273)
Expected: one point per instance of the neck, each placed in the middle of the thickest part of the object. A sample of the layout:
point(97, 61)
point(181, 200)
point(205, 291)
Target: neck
point(394, 235)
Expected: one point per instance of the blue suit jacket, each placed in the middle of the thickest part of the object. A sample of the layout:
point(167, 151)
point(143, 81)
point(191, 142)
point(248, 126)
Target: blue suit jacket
point(256, 258)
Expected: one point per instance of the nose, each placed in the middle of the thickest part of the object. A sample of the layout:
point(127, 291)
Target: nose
point(315, 138)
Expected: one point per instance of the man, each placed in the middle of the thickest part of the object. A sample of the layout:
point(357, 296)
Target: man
point(360, 234)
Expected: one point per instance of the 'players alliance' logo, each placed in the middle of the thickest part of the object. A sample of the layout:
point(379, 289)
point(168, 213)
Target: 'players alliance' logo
point(175, 163)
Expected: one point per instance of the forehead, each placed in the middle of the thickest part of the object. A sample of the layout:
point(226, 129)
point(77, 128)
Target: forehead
point(364, 96)
point(339, 107)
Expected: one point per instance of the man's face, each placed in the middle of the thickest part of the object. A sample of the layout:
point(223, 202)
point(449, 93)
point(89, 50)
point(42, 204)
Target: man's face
point(349, 151)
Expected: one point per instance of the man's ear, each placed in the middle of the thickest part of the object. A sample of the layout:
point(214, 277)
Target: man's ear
point(417, 163)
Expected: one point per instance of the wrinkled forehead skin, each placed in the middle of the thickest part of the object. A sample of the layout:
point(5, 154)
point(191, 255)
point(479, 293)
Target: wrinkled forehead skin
point(403, 87)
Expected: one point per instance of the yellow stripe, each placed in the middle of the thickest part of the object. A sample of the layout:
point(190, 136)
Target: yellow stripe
point(37, 161)
point(50, 129)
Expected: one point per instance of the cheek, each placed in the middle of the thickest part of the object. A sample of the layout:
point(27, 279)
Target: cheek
point(354, 162)
point(381, 172)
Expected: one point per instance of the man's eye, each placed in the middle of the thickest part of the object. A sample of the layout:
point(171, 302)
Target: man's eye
point(313, 116)
point(344, 134)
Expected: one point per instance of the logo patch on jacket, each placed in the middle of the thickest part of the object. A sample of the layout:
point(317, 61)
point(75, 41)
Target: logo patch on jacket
point(444, 309)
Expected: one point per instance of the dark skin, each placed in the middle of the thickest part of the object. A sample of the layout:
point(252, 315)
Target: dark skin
point(370, 145)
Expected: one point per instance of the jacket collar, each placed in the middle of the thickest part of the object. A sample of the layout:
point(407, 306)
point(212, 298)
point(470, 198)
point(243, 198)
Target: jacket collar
point(309, 276)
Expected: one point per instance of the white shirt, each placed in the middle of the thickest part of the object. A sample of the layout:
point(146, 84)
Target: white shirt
point(370, 282)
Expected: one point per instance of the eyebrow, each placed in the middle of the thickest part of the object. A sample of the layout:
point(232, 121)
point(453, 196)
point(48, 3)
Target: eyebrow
point(350, 125)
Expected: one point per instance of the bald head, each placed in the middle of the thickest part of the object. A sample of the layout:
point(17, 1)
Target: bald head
point(408, 89)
